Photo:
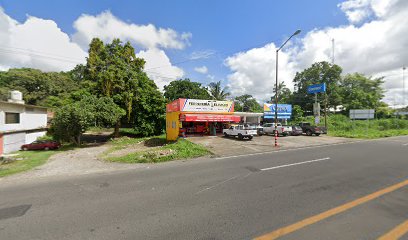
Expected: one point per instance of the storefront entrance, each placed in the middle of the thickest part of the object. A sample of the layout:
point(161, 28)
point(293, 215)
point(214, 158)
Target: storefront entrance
point(205, 124)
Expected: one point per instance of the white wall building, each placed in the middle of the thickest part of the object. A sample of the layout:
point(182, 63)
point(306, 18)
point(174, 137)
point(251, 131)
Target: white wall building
point(20, 123)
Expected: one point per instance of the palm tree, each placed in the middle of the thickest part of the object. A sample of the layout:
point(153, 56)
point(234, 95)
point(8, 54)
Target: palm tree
point(216, 92)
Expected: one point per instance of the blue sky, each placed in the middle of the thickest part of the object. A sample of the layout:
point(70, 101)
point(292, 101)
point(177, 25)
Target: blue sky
point(225, 27)
point(239, 35)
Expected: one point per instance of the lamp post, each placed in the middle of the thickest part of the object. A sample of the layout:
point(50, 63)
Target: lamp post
point(276, 86)
point(403, 87)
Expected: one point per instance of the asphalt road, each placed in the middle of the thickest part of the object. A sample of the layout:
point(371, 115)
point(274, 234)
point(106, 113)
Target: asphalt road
point(345, 191)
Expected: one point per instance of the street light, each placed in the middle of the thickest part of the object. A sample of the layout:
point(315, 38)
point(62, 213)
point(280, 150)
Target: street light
point(403, 87)
point(276, 86)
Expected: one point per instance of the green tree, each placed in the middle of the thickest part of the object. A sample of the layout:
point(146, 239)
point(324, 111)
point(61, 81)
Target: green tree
point(36, 86)
point(217, 92)
point(72, 120)
point(284, 94)
point(359, 91)
point(184, 88)
point(320, 72)
point(297, 113)
point(247, 103)
point(114, 71)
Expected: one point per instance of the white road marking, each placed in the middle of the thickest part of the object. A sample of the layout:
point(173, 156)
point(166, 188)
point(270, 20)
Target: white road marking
point(208, 188)
point(405, 144)
point(293, 164)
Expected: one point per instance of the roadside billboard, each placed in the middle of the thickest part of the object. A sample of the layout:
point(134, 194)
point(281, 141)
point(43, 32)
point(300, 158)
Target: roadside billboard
point(284, 110)
point(362, 113)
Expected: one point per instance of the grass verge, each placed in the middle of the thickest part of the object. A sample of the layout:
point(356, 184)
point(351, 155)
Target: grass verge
point(370, 134)
point(342, 126)
point(181, 149)
point(28, 160)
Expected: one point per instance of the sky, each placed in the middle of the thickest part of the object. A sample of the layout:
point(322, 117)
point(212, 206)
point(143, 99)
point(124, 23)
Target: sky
point(212, 40)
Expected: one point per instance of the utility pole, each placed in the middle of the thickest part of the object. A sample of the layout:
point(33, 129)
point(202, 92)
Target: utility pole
point(332, 50)
point(403, 86)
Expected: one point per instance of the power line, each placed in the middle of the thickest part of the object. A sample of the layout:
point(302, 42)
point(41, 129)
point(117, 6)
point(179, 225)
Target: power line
point(3, 51)
point(38, 52)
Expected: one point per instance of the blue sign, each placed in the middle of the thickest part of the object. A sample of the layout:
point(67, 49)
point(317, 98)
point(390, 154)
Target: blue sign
point(284, 110)
point(316, 88)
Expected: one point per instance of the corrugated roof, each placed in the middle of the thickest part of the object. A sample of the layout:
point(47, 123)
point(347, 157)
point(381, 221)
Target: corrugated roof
point(25, 105)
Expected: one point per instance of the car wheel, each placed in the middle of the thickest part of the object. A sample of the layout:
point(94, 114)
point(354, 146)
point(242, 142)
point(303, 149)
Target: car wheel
point(250, 137)
point(46, 148)
point(317, 134)
point(226, 135)
point(240, 137)
point(25, 149)
point(309, 133)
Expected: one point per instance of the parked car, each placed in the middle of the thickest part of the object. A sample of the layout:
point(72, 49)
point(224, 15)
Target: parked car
point(239, 131)
point(41, 145)
point(296, 130)
point(254, 126)
point(287, 130)
point(309, 129)
point(269, 128)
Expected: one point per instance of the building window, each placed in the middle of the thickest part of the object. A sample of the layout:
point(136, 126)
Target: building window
point(12, 118)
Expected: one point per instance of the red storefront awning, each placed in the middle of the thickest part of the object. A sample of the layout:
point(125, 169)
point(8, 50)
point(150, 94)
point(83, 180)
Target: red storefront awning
point(209, 118)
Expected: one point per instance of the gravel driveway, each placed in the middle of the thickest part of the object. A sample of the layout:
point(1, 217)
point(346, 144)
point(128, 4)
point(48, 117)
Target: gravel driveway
point(73, 162)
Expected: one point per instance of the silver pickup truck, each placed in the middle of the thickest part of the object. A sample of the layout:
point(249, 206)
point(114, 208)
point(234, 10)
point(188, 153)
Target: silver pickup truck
point(240, 131)
point(269, 128)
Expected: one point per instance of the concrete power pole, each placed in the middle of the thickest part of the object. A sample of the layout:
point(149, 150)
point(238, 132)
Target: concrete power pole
point(403, 86)
point(332, 50)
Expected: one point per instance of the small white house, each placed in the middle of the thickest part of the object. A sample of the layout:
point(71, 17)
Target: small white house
point(20, 123)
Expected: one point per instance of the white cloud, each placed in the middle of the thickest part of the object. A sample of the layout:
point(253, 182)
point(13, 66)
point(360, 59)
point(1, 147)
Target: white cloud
point(201, 54)
point(36, 43)
point(107, 27)
point(254, 71)
point(158, 67)
point(40, 43)
point(202, 70)
point(211, 77)
point(377, 47)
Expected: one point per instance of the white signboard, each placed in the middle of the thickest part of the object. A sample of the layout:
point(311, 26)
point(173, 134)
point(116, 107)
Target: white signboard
point(401, 113)
point(362, 113)
point(196, 105)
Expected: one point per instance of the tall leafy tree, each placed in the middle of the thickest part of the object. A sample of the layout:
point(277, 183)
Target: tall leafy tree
point(359, 92)
point(247, 103)
point(184, 88)
point(113, 70)
point(284, 94)
point(320, 72)
point(217, 92)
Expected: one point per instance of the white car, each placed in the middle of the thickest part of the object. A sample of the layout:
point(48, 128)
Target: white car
point(239, 131)
point(269, 128)
point(287, 130)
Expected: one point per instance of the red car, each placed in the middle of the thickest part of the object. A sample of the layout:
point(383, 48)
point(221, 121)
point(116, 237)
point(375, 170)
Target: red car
point(41, 145)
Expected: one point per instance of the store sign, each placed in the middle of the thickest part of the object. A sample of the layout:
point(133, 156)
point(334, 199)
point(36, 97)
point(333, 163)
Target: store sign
point(196, 105)
point(209, 118)
point(317, 88)
point(284, 110)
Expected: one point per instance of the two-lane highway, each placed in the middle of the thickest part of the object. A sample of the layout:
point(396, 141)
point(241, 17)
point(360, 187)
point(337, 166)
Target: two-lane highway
point(344, 191)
